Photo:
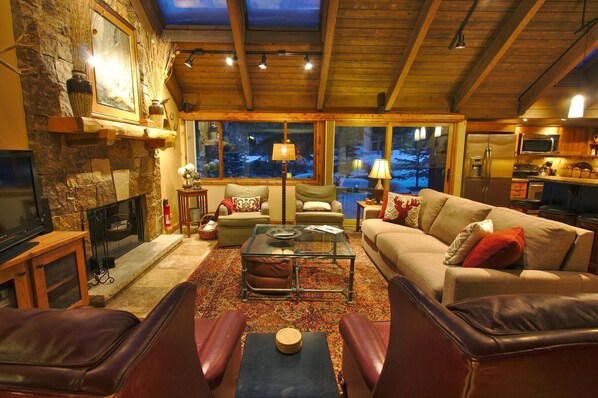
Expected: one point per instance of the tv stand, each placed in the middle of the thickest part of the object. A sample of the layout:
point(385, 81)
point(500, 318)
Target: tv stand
point(16, 250)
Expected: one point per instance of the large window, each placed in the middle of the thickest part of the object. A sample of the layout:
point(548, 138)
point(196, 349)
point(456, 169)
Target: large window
point(355, 149)
point(245, 149)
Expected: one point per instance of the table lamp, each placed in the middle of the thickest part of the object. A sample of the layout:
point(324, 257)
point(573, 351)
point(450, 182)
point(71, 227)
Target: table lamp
point(380, 171)
point(284, 152)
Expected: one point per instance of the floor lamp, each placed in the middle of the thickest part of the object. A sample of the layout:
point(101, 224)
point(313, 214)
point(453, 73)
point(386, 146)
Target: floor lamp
point(284, 152)
point(381, 172)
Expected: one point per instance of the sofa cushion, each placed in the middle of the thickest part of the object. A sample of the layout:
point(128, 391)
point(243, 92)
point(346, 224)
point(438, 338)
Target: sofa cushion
point(321, 193)
point(373, 227)
point(455, 215)
point(402, 209)
point(546, 242)
point(240, 219)
point(246, 204)
point(432, 202)
point(497, 250)
point(246, 191)
point(466, 241)
point(392, 244)
point(426, 270)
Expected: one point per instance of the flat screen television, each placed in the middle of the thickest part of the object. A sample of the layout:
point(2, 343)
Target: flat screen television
point(20, 203)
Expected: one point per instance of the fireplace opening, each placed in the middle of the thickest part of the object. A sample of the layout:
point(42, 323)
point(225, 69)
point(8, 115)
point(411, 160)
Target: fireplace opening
point(114, 230)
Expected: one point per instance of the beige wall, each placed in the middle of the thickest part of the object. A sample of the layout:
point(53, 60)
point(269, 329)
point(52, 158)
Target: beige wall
point(13, 133)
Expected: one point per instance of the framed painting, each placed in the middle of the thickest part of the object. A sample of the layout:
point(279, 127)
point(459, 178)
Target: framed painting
point(114, 66)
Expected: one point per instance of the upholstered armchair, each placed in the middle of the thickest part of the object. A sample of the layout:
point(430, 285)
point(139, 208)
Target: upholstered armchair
point(317, 204)
point(496, 346)
point(236, 227)
point(99, 352)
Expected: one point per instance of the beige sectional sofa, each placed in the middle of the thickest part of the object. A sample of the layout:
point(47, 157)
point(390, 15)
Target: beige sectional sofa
point(555, 258)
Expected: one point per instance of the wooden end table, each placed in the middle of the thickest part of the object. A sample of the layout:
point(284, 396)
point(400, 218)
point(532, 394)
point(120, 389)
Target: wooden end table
point(201, 201)
point(362, 205)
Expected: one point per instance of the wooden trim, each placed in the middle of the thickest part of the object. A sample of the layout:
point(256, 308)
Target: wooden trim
point(571, 58)
point(175, 90)
point(418, 34)
point(497, 49)
point(323, 116)
point(328, 38)
point(237, 23)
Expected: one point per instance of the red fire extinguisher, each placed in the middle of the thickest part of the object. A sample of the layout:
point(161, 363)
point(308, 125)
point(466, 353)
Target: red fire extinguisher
point(167, 214)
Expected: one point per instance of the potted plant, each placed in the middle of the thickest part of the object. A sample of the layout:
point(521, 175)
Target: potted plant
point(79, 87)
point(159, 55)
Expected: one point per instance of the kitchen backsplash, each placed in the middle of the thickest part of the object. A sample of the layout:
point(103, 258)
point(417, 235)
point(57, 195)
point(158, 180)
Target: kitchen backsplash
point(559, 164)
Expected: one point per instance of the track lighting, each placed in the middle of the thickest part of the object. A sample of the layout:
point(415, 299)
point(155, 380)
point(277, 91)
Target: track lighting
point(231, 60)
point(263, 64)
point(460, 40)
point(308, 65)
point(189, 61)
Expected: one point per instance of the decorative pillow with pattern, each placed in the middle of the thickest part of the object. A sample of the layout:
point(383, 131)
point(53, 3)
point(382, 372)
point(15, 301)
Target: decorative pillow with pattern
point(402, 209)
point(246, 204)
point(466, 240)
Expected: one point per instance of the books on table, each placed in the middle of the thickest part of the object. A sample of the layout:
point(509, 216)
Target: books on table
point(325, 228)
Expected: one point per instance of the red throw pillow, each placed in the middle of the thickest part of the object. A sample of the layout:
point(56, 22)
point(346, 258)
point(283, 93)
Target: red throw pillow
point(402, 209)
point(384, 204)
point(497, 250)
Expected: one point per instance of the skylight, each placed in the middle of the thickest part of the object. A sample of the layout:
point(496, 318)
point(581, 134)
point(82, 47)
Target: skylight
point(283, 13)
point(194, 12)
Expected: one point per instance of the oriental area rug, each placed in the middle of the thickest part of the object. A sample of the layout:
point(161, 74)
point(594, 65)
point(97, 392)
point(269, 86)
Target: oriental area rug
point(218, 281)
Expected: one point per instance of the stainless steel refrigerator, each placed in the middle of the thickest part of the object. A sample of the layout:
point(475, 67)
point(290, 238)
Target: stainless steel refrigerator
point(488, 168)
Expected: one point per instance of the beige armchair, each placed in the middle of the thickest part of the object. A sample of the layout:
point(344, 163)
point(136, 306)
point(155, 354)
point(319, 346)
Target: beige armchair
point(235, 229)
point(308, 195)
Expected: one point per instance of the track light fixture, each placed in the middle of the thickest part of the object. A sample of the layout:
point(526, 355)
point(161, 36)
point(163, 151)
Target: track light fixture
point(308, 65)
point(231, 60)
point(459, 38)
point(263, 64)
point(189, 61)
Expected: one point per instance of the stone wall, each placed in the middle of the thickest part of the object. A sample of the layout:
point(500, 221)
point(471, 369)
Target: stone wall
point(76, 178)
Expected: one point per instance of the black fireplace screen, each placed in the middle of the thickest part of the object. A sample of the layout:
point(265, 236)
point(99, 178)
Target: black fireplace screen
point(114, 230)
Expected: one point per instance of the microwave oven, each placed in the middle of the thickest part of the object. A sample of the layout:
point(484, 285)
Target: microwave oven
point(539, 144)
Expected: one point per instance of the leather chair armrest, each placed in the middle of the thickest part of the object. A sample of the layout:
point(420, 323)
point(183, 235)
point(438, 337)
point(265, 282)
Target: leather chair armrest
point(298, 206)
point(265, 208)
point(336, 206)
point(220, 343)
point(366, 345)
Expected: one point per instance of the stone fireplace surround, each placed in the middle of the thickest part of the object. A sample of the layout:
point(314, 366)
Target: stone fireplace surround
point(75, 179)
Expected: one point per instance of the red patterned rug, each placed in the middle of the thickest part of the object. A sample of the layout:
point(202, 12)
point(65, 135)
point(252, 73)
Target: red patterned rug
point(218, 281)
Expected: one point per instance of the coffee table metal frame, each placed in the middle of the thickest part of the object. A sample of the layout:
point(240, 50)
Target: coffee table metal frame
point(262, 245)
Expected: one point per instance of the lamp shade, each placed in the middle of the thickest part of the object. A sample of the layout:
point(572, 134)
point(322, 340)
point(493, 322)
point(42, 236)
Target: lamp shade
point(577, 104)
point(283, 152)
point(357, 165)
point(380, 170)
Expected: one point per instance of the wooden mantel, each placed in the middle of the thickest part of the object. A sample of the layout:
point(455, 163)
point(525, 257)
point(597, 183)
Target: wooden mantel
point(83, 131)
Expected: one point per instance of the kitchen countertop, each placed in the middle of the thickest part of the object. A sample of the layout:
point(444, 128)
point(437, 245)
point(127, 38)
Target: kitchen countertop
point(520, 179)
point(566, 180)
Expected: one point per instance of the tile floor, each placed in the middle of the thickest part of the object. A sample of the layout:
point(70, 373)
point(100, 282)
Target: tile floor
point(144, 293)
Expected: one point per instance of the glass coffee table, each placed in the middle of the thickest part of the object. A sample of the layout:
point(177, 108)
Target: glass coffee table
point(299, 244)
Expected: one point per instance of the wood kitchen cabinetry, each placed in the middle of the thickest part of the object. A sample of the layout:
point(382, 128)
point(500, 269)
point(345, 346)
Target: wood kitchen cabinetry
point(49, 275)
point(574, 141)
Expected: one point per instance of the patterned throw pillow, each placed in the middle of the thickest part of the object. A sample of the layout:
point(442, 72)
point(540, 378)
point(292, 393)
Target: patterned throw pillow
point(402, 209)
point(466, 240)
point(246, 204)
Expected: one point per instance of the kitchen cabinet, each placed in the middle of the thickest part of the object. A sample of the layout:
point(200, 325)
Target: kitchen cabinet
point(518, 189)
point(574, 141)
point(49, 275)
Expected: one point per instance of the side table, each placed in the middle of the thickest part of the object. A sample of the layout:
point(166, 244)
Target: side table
point(266, 372)
point(201, 201)
point(362, 205)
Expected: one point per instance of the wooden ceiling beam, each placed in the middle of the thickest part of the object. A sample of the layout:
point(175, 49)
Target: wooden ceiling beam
point(497, 49)
point(418, 34)
point(237, 23)
point(585, 44)
point(327, 38)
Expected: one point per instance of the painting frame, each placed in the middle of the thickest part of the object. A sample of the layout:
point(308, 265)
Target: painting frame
point(113, 71)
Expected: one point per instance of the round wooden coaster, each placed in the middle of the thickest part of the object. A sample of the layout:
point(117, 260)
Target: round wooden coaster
point(288, 340)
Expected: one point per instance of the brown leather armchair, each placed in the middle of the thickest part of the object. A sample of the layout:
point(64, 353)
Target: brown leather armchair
point(495, 346)
point(98, 352)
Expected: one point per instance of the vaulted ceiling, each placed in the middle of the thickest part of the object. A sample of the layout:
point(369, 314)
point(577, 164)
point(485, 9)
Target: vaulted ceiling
point(522, 58)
